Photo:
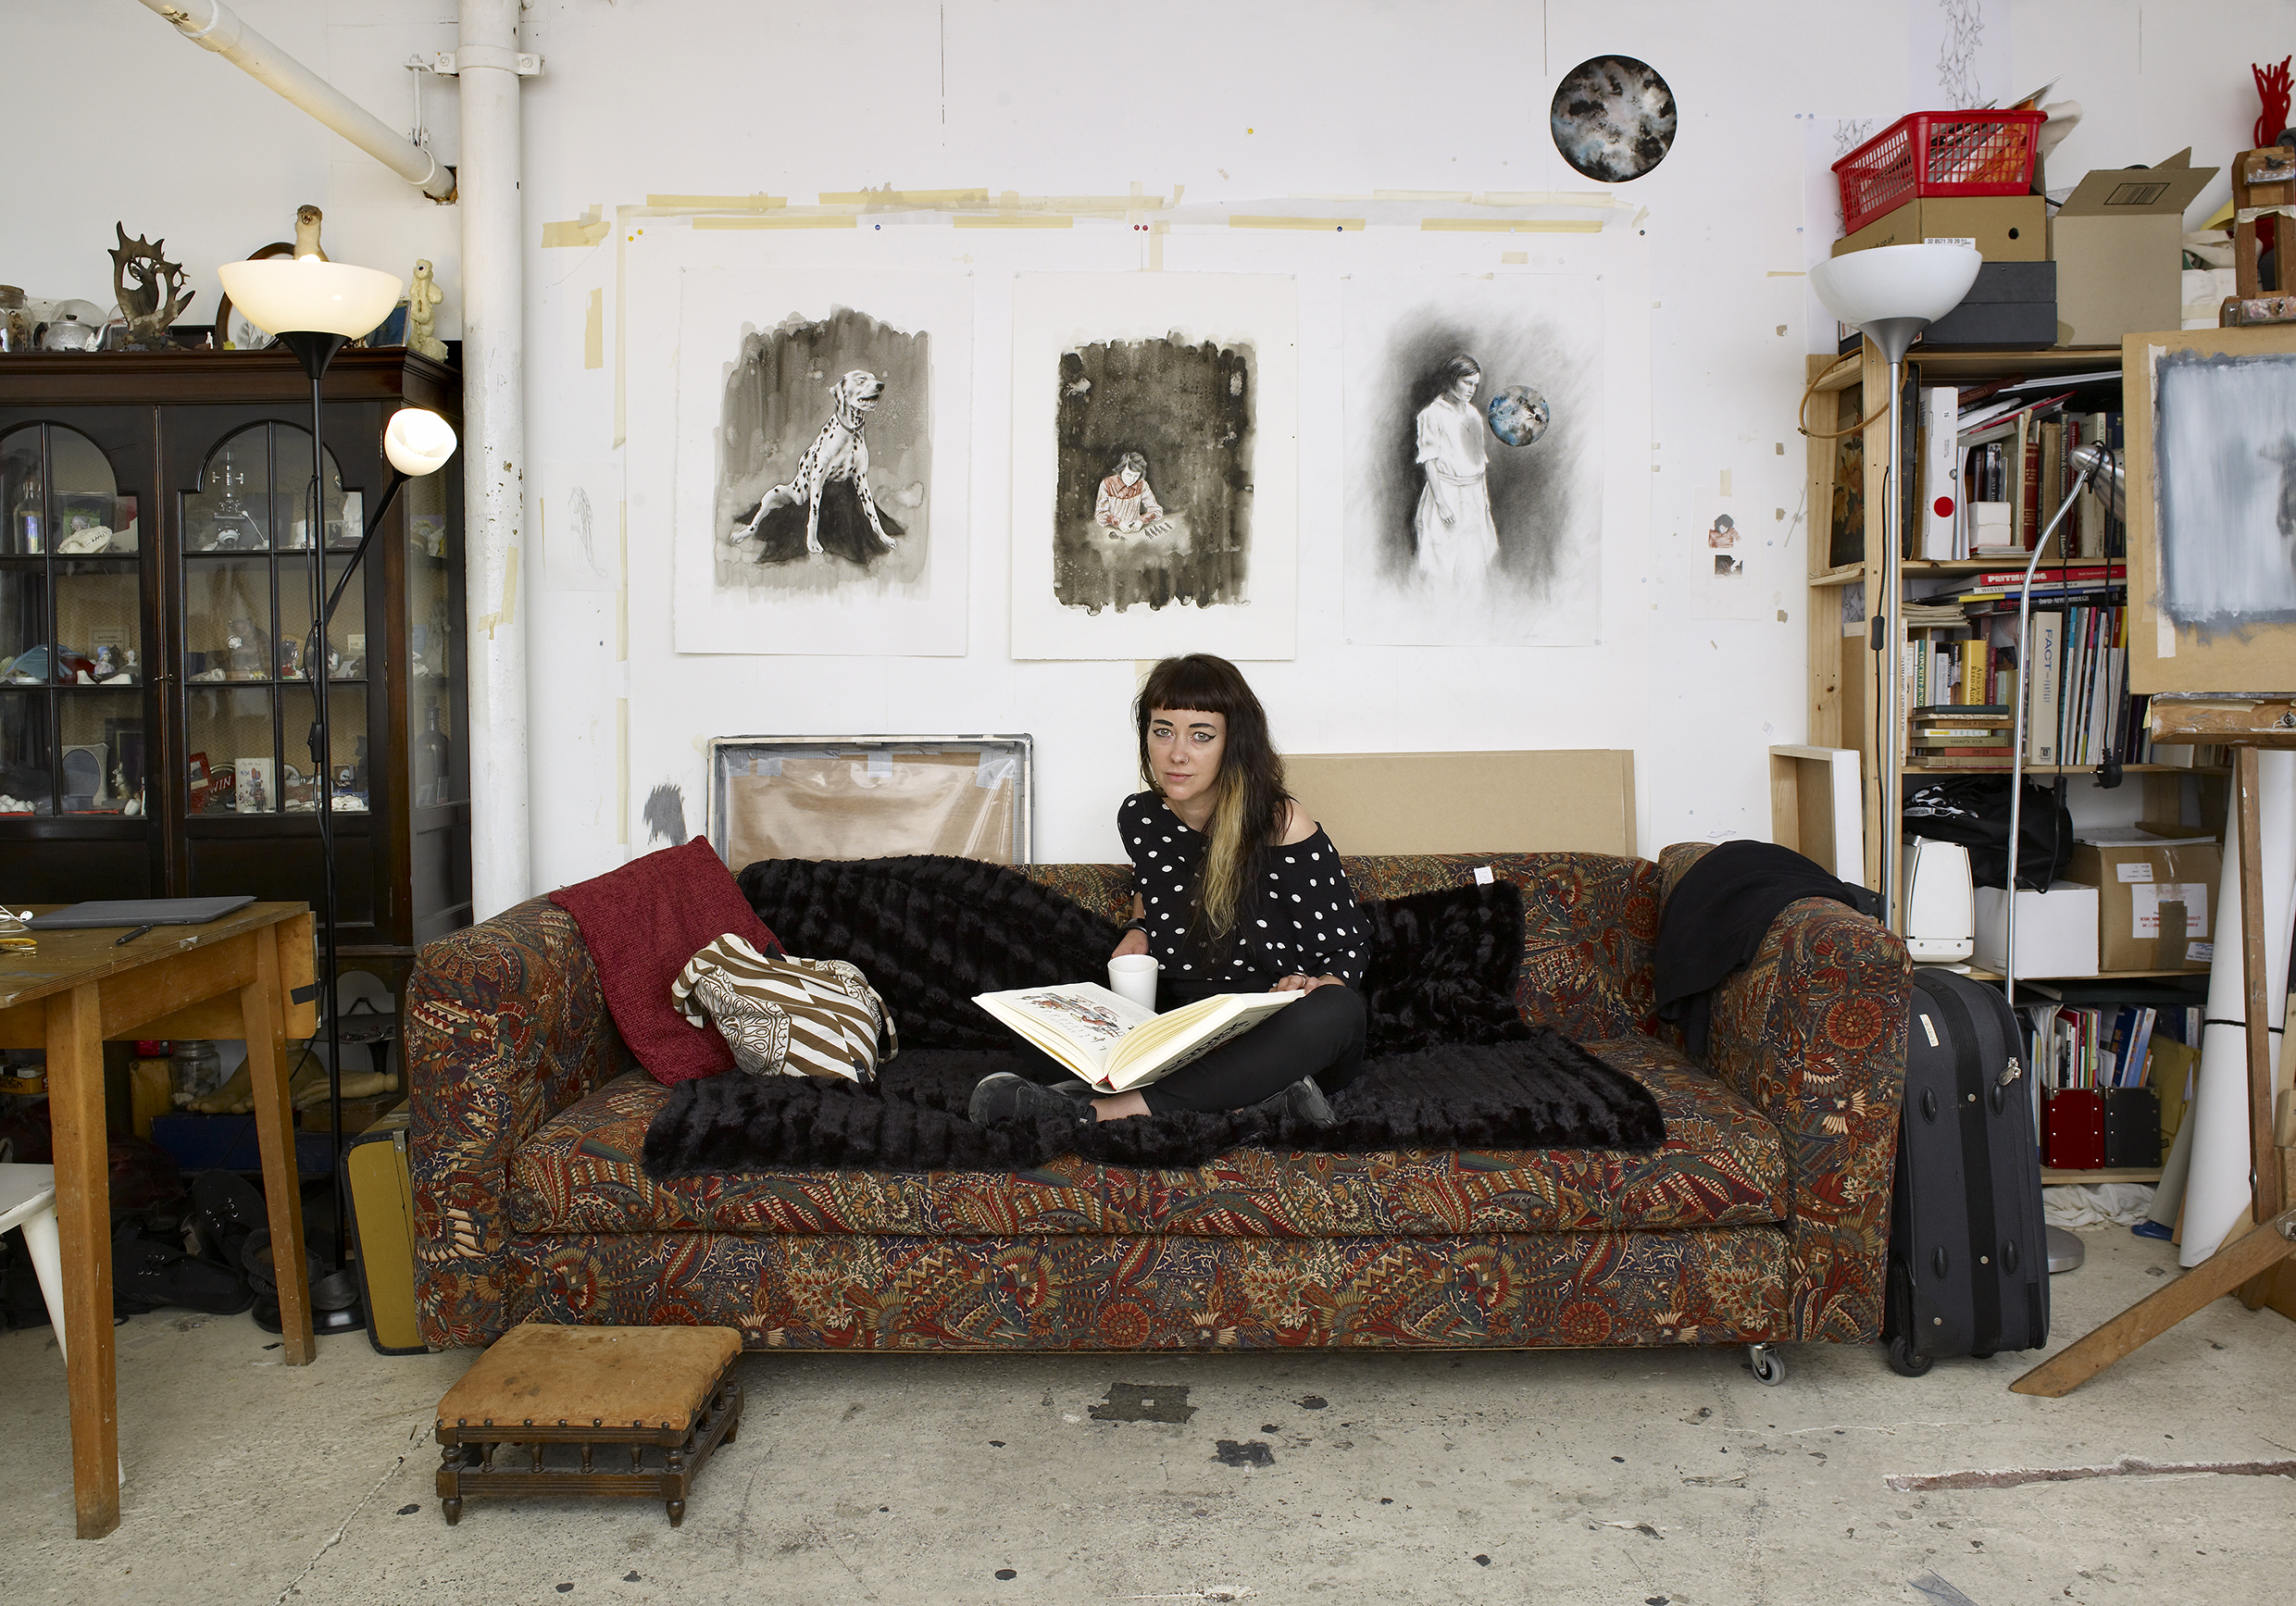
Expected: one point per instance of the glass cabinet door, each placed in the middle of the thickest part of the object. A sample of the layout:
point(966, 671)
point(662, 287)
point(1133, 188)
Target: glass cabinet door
point(73, 654)
point(248, 643)
point(432, 658)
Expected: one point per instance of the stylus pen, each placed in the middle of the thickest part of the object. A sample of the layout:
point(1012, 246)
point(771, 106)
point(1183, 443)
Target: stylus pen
point(131, 936)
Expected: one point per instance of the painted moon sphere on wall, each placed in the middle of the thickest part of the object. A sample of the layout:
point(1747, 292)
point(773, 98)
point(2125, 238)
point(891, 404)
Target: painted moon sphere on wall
point(1518, 415)
point(1613, 119)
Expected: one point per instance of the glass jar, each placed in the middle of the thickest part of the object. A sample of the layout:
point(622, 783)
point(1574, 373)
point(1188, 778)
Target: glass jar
point(15, 324)
point(198, 1071)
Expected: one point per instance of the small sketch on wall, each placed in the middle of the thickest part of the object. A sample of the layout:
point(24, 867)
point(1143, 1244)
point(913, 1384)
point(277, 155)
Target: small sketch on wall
point(828, 452)
point(2225, 464)
point(581, 525)
point(1155, 465)
point(1474, 427)
point(1957, 54)
point(1613, 119)
point(1184, 409)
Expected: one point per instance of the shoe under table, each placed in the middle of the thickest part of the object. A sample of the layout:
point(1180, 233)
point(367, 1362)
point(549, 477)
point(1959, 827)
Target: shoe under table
point(569, 1403)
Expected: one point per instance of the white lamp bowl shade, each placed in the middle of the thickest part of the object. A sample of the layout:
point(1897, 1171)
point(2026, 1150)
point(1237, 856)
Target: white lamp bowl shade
point(281, 296)
point(1916, 281)
point(417, 441)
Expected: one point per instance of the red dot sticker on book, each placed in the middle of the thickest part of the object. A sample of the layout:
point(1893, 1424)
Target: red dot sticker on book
point(1943, 508)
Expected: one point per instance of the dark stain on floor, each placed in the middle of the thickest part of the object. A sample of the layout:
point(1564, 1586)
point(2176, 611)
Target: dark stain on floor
point(1138, 1402)
point(1253, 1454)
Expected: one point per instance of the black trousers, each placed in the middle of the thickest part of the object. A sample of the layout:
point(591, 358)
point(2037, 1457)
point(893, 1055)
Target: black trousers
point(1321, 1035)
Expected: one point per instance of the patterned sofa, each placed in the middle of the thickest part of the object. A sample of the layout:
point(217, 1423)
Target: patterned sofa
point(1762, 1219)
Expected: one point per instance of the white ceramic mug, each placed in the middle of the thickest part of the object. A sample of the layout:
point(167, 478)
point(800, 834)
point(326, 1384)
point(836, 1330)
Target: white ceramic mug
point(1133, 975)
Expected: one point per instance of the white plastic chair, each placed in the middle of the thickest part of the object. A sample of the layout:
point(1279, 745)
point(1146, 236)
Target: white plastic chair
point(28, 1199)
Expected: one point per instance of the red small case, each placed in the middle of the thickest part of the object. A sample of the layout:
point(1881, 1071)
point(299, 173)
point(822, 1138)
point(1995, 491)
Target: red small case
point(2073, 1130)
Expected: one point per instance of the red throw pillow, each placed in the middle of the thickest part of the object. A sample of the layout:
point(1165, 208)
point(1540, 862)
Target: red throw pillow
point(641, 923)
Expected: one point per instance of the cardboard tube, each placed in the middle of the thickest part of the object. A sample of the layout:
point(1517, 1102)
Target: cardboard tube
point(2217, 1192)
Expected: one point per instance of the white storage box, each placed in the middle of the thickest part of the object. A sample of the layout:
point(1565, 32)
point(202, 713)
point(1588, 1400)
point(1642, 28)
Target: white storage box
point(2056, 931)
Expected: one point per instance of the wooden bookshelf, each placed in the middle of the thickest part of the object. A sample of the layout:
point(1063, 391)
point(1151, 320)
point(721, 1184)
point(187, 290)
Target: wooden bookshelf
point(2052, 1177)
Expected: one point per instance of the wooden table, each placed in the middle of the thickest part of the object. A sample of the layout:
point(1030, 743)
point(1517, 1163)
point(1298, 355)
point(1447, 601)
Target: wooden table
point(248, 975)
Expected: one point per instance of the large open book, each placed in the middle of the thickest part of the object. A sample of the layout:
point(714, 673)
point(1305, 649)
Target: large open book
point(1112, 1043)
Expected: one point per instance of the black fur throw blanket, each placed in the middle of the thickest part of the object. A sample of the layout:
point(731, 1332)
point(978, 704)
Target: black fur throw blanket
point(1541, 1092)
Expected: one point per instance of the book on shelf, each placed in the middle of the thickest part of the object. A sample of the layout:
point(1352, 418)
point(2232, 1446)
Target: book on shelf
point(1941, 496)
point(1114, 1044)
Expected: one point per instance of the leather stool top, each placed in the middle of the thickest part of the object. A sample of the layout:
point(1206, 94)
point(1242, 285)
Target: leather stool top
point(543, 1375)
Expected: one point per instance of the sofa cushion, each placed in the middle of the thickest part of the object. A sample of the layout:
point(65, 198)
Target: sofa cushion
point(1721, 1164)
point(1442, 968)
point(641, 923)
point(929, 932)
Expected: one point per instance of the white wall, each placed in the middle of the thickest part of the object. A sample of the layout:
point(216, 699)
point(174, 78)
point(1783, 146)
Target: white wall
point(1238, 103)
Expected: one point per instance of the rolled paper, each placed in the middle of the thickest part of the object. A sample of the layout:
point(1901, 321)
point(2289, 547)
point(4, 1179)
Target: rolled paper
point(2218, 1189)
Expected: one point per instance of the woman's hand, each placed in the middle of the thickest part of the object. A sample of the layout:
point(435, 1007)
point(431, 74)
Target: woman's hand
point(1306, 983)
point(1134, 942)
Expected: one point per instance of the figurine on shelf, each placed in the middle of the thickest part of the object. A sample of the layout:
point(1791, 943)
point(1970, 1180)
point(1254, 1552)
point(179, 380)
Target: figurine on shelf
point(129, 674)
point(290, 658)
point(87, 539)
point(106, 665)
point(307, 220)
point(150, 289)
point(421, 299)
point(246, 653)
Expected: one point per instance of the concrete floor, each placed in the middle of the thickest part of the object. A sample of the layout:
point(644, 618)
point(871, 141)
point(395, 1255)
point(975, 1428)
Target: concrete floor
point(1594, 1476)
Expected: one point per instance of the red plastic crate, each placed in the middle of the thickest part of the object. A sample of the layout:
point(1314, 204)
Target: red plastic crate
point(1937, 153)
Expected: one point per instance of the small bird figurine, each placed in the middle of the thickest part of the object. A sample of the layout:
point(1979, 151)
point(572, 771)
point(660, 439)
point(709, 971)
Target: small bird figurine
point(307, 219)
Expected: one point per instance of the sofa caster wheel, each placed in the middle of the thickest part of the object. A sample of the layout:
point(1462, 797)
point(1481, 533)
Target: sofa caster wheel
point(1769, 1367)
point(1902, 1361)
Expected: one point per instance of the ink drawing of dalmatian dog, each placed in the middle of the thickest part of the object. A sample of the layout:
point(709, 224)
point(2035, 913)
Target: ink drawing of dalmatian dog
point(837, 453)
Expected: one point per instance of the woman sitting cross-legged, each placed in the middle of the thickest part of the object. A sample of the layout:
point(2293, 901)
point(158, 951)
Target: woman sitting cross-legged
point(1237, 890)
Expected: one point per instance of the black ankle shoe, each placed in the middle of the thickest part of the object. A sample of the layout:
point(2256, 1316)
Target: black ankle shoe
point(1302, 1101)
point(1005, 1097)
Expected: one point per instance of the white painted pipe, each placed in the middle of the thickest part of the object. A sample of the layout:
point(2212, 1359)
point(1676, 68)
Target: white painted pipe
point(493, 403)
point(2217, 1190)
point(214, 26)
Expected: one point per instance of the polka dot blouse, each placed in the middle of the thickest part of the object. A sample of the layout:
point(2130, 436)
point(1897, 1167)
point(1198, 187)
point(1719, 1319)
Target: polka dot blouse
point(1299, 917)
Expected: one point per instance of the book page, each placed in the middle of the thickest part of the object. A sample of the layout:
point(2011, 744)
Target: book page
point(1079, 1023)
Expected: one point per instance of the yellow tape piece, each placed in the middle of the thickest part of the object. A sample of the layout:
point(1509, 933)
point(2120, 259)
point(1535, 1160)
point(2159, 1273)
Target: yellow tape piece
point(905, 197)
point(1013, 220)
point(1313, 225)
point(716, 202)
point(1802, 273)
point(1511, 226)
point(593, 331)
point(1522, 259)
point(577, 232)
point(509, 611)
point(621, 771)
point(805, 221)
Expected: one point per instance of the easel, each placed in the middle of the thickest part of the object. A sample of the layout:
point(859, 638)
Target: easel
point(2247, 1262)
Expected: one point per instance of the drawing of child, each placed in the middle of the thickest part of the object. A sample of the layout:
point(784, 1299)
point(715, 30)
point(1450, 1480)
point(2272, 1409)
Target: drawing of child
point(1126, 505)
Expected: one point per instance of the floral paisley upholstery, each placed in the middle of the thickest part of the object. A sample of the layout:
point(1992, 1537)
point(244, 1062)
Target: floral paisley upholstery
point(1764, 1216)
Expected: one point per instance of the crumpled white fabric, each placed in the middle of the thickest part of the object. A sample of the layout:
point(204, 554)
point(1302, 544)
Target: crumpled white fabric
point(2096, 1203)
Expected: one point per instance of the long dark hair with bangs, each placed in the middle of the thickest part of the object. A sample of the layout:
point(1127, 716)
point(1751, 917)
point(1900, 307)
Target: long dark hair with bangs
point(1248, 795)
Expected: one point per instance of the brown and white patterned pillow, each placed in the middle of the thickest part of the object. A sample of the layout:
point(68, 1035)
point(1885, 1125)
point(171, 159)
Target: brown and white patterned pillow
point(786, 1016)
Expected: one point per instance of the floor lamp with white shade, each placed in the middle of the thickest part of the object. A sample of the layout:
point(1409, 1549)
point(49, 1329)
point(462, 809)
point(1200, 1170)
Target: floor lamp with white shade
point(316, 308)
point(1892, 292)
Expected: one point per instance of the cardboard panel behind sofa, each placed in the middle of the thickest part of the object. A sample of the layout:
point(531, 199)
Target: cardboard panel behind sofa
point(1571, 801)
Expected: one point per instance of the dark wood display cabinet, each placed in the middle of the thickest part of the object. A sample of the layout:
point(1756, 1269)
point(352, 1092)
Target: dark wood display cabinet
point(157, 706)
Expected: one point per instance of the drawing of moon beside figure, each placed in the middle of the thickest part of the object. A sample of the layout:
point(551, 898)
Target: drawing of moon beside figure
point(826, 455)
point(1613, 119)
point(1518, 415)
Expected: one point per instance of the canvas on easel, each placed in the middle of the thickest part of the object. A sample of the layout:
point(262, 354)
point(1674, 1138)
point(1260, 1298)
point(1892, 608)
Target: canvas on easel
point(2211, 509)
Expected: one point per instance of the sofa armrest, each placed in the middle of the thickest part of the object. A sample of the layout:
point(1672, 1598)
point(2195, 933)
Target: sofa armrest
point(506, 1025)
point(1813, 1035)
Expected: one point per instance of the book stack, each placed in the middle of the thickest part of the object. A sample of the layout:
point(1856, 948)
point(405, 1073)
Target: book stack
point(2102, 1048)
point(1995, 462)
point(1952, 736)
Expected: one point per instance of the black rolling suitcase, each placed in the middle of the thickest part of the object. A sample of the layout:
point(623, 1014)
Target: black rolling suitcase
point(1968, 1251)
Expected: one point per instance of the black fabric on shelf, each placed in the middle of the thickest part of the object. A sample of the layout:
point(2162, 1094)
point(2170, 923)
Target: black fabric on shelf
point(929, 932)
point(1541, 1092)
point(1442, 968)
point(1716, 919)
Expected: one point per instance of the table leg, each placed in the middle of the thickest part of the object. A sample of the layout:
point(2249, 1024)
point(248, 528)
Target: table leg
point(83, 1224)
point(275, 1136)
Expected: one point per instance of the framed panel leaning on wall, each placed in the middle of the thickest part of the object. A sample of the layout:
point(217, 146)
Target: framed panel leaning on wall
point(2211, 509)
point(871, 797)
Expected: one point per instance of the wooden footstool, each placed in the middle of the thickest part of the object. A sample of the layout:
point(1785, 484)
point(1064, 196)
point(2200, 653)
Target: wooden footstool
point(580, 1387)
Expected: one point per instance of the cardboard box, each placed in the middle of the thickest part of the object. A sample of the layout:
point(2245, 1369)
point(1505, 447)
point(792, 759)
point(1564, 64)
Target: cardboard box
point(2132, 882)
point(2056, 931)
point(2000, 227)
point(2118, 244)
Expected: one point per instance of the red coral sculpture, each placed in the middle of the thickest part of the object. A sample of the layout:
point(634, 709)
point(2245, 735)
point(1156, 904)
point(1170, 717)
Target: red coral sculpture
point(2272, 88)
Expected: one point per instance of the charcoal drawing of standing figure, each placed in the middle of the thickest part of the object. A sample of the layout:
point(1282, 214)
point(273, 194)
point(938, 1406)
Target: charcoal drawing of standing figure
point(1454, 539)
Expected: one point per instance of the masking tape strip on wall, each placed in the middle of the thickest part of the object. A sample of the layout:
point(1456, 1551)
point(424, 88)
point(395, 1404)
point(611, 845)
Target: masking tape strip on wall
point(795, 220)
point(716, 202)
point(1511, 226)
point(1322, 225)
